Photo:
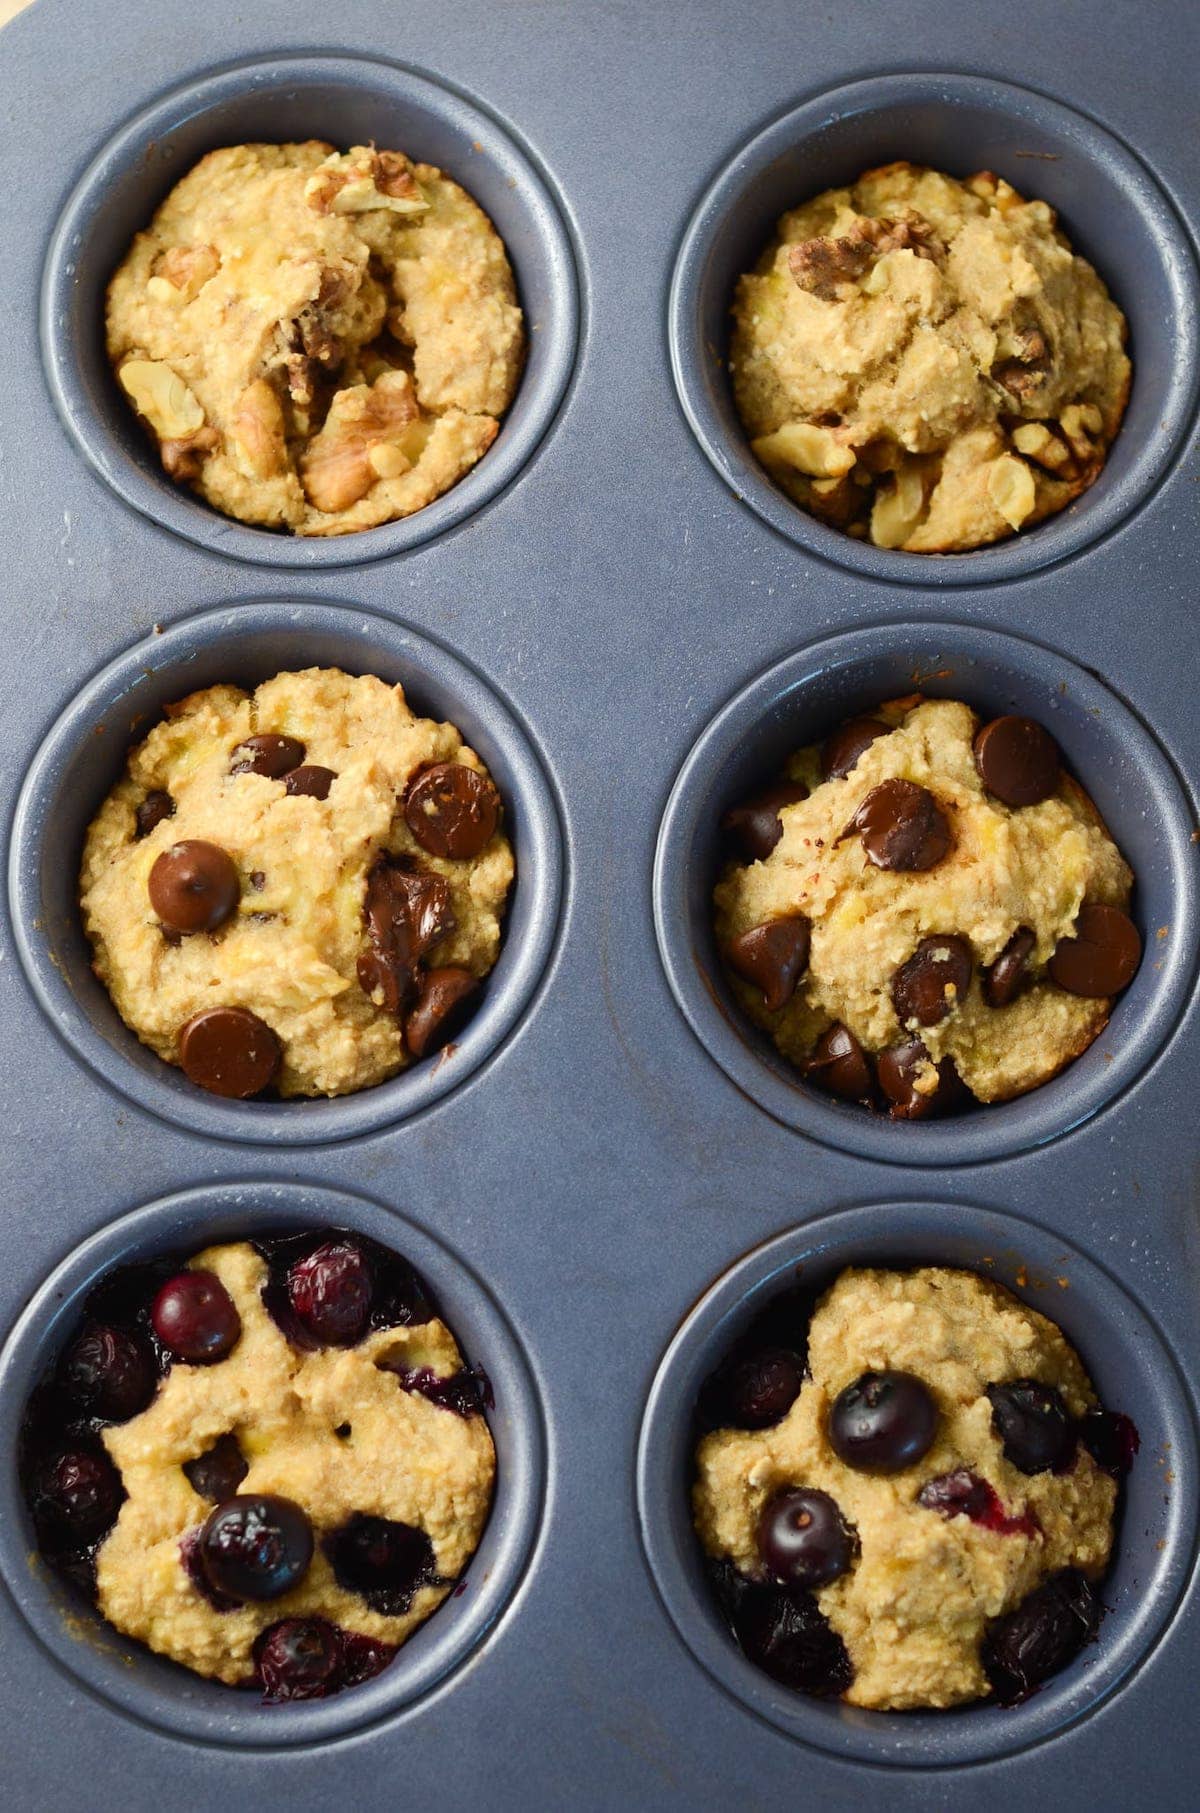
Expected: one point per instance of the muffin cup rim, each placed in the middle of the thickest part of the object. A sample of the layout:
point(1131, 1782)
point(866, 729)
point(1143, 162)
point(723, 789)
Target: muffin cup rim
point(829, 1243)
point(992, 1131)
point(231, 1719)
point(1063, 536)
point(174, 508)
point(161, 1089)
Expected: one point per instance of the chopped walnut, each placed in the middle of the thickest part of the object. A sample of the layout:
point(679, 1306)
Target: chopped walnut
point(160, 395)
point(827, 266)
point(897, 508)
point(1011, 489)
point(807, 448)
point(1029, 365)
point(1081, 423)
point(181, 272)
point(182, 459)
point(1036, 442)
point(337, 469)
point(258, 429)
point(361, 181)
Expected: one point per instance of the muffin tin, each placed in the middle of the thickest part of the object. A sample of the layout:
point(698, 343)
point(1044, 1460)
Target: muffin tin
point(629, 624)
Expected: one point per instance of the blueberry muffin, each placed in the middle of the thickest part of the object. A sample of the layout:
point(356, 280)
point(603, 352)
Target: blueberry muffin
point(907, 1501)
point(317, 341)
point(299, 888)
point(269, 1464)
point(926, 909)
point(926, 362)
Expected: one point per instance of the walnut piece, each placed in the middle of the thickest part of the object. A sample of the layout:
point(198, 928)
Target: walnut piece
point(897, 508)
point(1011, 488)
point(258, 429)
point(362, 180)
point(337, 469)
point(804, 447)
point(183, 459)
point(181, 272)
point(161, 396)
point(829, 267)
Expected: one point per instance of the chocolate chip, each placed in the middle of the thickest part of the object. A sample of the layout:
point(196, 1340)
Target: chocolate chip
point(773, 957)
point(229, 1051)
point(268, 755)
point(933, 981)
point(194, 887)
point(452, 810)
point(1017, 760)
point(156, 806)
point(841, 751)
point(755, 824)
point(1006, 977)
point(310, 781)
point(443, 1004)
point(1102, 957)
point(898, 1067)
point(901, 826)
point(838, 1064)
point(405, 910)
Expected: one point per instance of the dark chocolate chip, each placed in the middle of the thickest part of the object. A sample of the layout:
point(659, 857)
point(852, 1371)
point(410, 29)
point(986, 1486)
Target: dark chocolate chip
point(934, 980)
point(1017, 760)
point(406, 911)
point(772, 957)
point(755, 825)
point(229, 1051)
point(194, 887)
point(901, 826)
point(1007, 976)
point(841, 751)
point(1102, 957)
point(310, 781)
point(443, 1004)
point(452, 810)
point(271, 756)
point(838, 1064)
point(156, 806)
point(897, 1069)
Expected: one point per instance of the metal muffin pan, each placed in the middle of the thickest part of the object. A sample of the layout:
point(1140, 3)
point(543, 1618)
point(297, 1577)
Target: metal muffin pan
point(628, 612)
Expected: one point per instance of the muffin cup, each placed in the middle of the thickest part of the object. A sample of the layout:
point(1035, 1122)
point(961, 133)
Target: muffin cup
point(1111, 208)
point(147, 1686)
point(1112, 754)
point(82, 758)
point(1131, 1370)
point(346, 100)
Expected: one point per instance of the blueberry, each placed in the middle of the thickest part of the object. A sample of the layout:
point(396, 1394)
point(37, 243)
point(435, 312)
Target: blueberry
point(1046, 1631)
point(1111, 1439)
point(1034, 1425)
point(195, 1318)
point(330, 1293)
point(783, 1631)
point(256, 1547)
point(298, 1659)
point(760, 1389)
point(108, 1372)
point(80, 1492)
point(802, 1538)
point(219, 1471)
point(384, 1561)
point(883, 1422)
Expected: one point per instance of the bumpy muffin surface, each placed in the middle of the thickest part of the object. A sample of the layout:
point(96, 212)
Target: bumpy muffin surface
point(317, 341)
point(927, 1522)
point(349, 938)
point(926, 916)
point(926, 362)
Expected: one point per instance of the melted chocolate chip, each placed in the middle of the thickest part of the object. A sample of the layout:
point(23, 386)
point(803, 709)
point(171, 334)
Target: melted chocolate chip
point(898, 1068)
point(271, 756)
point(452, 810)
point(840, 752)
point(773, 957)
point(1017, 760)
point(444, 1002)
point(934, 980)
point(902, 827)
point(1007, 976)
point(755, 825)
point(229, 1051)
point(156, 806)
point(839, 1065)
point(310, 781)
point(405, 912)
point(1103, 956)
point(194, 887)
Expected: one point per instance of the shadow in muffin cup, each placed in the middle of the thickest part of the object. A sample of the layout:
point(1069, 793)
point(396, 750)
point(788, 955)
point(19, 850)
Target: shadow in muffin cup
point(1111, 209)
point(148, 1687)
point(1107, 748)
point(1127, 1363)
point(345, 100)
point(83, 757)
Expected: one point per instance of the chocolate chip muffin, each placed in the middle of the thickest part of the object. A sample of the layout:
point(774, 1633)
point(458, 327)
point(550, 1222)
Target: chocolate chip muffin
point(269, 1464)
point(908, 1496)
point(299, 888)
point(317, 341)
point(926, 362)
point(926, 909)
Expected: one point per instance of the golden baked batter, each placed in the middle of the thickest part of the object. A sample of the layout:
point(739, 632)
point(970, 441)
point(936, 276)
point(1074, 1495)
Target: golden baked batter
point(317, 341)
point(926, 362)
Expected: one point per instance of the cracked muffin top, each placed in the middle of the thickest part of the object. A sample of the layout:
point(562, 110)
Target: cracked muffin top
point(316, 341)
point(269, 1464)
point(907, 1493)
point(925, 362)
